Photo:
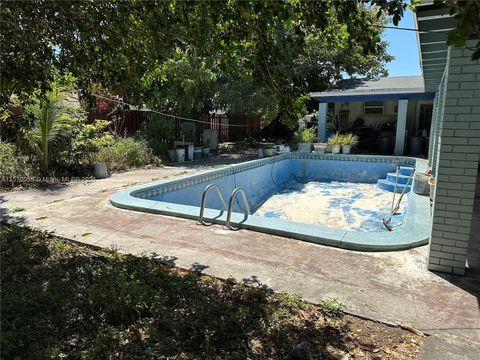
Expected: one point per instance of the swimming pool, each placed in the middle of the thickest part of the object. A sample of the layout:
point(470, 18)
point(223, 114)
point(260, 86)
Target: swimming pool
point(295, 195)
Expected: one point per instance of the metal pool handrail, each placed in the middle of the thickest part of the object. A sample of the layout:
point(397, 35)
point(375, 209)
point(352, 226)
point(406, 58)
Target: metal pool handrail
point(204, 199)
point(230, 205)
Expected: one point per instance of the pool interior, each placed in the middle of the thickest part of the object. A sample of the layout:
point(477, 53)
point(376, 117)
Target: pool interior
point(343, 205)
point(328, 192)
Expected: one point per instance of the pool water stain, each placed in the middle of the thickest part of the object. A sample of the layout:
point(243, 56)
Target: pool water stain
point(344, 205)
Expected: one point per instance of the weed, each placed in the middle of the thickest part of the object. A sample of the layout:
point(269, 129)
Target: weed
point(331, 308)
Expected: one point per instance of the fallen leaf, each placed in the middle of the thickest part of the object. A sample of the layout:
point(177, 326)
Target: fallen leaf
point(87, 233)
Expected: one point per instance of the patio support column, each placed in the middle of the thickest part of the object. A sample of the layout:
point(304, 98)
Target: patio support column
point(322, 121)
point(401, 126)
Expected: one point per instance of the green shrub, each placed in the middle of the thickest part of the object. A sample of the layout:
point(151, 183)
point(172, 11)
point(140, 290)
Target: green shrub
point(54, 130)
point(307, 135)
point(92, 138)
point(13, 166)
point(159, 132)
point(124, 153)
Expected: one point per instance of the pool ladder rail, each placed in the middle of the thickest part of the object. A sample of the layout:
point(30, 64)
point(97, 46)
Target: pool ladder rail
point(222, 200)
point(230, 206)
point(204, 199)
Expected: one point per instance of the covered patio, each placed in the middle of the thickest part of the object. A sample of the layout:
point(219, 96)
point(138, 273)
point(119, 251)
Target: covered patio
point(401, 102)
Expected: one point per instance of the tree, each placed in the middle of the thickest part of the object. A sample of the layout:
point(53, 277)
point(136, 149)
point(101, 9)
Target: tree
point(181, 85)
point(129, 46)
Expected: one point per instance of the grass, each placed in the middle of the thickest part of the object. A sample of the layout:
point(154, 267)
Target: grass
point(64, 300)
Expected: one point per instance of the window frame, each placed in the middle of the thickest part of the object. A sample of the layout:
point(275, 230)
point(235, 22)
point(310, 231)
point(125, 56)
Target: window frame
point(373, 107)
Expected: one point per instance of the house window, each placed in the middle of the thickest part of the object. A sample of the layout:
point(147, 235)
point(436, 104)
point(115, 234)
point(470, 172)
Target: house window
point(373, 107)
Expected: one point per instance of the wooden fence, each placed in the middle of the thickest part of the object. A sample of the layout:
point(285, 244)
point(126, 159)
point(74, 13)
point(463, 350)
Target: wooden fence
point(130, 121)
point(124, 122)
point(232, 127)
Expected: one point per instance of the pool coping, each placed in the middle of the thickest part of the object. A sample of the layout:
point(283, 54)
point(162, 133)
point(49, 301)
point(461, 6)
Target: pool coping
point(415, 230)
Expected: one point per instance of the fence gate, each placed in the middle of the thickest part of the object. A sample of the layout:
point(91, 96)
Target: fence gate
point(218, 122)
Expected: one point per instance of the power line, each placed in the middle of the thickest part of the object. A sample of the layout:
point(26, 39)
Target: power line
point(165, 114)
point(398, 28)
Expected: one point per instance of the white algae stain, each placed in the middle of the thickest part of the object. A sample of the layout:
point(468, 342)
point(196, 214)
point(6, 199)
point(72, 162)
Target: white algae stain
point(350, 206)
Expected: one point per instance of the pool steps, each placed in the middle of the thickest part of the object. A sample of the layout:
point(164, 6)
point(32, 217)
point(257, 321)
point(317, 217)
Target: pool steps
point(388, 184)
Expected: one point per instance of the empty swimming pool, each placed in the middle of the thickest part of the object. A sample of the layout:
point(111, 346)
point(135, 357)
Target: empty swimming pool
point(327, 199)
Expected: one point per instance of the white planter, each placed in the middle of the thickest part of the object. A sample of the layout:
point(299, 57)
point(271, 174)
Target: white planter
point(346, 149)
point(319, 148)
point(305, 147)
point(190, 152)
point(100, 170)
point(260, 153)
point(180, 155)
point(268, 152)
point(336, 149)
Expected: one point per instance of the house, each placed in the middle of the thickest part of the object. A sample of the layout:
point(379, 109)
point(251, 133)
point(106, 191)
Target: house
point(452, 80)
point(399, 105)
point(454, 146)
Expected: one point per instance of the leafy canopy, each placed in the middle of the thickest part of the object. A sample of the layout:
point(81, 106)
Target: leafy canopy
point(175, 55)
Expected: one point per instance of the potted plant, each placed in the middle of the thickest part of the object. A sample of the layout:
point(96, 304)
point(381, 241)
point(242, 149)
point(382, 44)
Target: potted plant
point(348, 140)
point(335, 141)
point(307, 137)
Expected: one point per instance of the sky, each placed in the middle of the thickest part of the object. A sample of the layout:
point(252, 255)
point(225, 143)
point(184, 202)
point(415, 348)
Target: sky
point(403, 46)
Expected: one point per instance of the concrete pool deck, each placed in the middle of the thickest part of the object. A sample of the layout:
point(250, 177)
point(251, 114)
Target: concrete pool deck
point(393, 287)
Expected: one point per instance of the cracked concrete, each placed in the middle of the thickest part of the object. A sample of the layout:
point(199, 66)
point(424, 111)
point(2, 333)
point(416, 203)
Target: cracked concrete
point(393, 287)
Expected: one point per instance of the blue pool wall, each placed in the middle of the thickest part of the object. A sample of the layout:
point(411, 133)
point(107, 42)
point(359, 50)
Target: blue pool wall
point(162, 198)
point(263, 178)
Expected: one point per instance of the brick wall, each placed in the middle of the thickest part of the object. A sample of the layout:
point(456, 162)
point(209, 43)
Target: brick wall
point(455, 154)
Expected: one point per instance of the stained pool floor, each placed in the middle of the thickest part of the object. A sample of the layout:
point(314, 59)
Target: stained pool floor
point(350, 206)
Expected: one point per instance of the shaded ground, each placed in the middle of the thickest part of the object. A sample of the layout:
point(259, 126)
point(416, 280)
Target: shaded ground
point(63, 300)
point(392, 287)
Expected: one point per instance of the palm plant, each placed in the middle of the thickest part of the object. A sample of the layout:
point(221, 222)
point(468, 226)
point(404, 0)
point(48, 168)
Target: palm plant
point(50, 113)
point(336, 139)
point(350, 139)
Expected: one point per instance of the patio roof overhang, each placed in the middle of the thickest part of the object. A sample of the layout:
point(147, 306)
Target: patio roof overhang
point(330, 98)
point(376, 89)
point(433, 23)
